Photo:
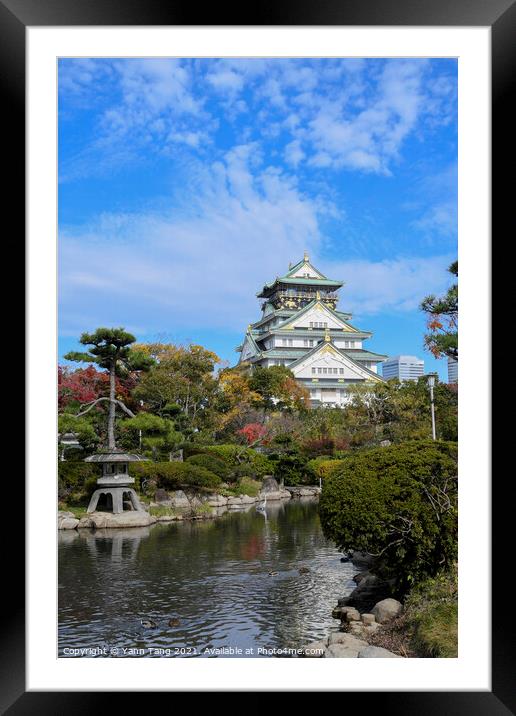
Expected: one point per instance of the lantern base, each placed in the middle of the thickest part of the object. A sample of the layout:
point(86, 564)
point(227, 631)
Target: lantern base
point(115, 498)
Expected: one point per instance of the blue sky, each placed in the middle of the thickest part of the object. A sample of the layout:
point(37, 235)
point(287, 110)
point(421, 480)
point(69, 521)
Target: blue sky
point(186, 184)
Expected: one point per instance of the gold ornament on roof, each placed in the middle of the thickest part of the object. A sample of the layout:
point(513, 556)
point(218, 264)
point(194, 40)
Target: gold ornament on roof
point(306, 257)
point(327, 336)
point(318, 296)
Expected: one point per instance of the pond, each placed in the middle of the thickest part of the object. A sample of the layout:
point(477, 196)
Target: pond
point(212, 576)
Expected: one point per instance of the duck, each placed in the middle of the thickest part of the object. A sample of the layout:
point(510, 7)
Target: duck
point(148, 624)
point(174, 622)
point(303, 570)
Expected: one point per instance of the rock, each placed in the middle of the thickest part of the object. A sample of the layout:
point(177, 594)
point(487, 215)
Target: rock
point(315, 650)
point(161, 495)
point(385, 443)
point(352, 615)
point(339, 651)
point(361, 630)
point(64, 514)
point(270, 484)
point(304, 570)
point(132, 518)
point(344, 559)
point(377, 652)
point(361, 559)
point(217, 501)
point(337, 612)
point(179, 499)
point(387, 610)
point(368, 619)
point(370, 590)
point(67, 523)
point(345, 639)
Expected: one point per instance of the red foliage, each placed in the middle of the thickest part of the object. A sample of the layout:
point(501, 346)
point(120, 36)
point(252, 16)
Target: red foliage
point(253, 432)
point(325, 445)
point(84, 385)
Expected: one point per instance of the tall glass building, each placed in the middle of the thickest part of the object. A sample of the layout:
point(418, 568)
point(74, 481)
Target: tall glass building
point(403, 368)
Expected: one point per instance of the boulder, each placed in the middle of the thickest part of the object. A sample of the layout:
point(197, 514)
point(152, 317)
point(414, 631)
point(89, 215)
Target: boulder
point(161, 495)
point(67, 523)
point(345, 639)
point(179, 499)
point(217, 500)
point(270, 484)
point(377, 652)
point(368, 619)
point(386, 610)
point(361, 630)
point(131, 518)
point(340, 651)
point(352, 615)
point(315, 650)
point(361, 559)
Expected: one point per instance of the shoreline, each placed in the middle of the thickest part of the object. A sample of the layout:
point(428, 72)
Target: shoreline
point(178, 506)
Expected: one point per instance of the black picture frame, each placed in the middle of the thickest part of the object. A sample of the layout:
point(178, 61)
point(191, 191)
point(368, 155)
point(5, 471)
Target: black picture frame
point(500, 16)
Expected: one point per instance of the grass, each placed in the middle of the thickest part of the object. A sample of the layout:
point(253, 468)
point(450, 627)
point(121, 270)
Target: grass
point(163, 511)
point(77, 510)
point(429, 624)
point(432, 614)
point(245, 486)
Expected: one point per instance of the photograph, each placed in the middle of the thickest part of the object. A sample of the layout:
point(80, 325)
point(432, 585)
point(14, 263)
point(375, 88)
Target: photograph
point(257, 362)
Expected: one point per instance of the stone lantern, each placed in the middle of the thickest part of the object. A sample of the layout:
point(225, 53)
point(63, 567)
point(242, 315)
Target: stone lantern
point(115, 483)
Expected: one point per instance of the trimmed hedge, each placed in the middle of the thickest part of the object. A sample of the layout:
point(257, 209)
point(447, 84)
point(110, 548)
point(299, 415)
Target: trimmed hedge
point(398, 503)
point(213, 463)
point(174, 475)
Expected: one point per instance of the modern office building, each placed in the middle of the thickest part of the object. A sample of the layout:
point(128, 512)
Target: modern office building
point(300, 327)
point(403, 368)
point(453, 370)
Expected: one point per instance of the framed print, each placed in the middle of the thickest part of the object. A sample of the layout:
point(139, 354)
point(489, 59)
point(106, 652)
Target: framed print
point(243, 239)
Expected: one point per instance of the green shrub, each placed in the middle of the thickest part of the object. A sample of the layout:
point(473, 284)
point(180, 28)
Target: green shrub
point(398, 503)
point(213, 463)
point(241, 472)
point(175, 475)
point(322, 467)
point(292, 469)
point(235, 455)
point(76, 478)
point(245, 486)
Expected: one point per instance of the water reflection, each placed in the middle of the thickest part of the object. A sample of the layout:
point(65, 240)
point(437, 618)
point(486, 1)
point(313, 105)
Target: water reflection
point(213, 575)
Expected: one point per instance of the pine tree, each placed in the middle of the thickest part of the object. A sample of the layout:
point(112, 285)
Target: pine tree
point(110, 349)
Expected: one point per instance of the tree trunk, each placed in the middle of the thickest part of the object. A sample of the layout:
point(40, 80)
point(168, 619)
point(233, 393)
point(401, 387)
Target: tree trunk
point(112, 406)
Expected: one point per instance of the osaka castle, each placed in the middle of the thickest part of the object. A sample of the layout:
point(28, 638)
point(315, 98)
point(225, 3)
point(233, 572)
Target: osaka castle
point(301, 327)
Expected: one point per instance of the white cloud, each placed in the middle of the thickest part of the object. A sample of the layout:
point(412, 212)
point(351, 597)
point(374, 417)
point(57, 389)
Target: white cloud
point(392, 285)
point(225, 80)
point(196, 266)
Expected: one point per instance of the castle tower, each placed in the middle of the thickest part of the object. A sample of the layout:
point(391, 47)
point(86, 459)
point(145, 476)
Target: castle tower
point(301, 328)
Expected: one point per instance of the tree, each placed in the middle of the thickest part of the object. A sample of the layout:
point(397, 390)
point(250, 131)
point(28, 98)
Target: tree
point(278, 388)
point(181, 381)
point(157, 434)
point(443, 320)
point(110, 349)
